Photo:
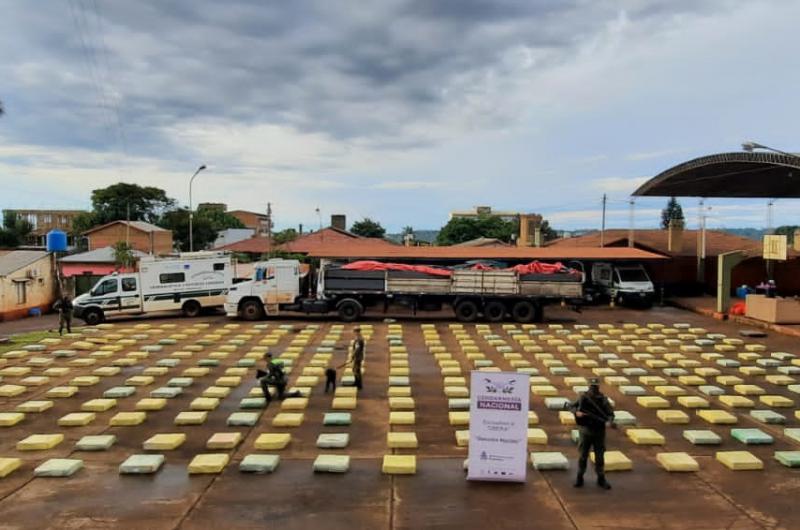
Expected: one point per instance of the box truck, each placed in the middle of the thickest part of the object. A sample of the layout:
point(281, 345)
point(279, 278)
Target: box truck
point(188, 282)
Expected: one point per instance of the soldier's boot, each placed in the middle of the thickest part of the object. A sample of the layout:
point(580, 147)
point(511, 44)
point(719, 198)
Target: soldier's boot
point(579, 480)
point(602, 482)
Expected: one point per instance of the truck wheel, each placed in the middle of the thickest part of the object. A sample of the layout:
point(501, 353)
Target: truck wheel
point(93, 317)
point(252, 310)
point(350, 310)
point(523, 312)
point(467, 311)
point(494, 311)
point(191, 309)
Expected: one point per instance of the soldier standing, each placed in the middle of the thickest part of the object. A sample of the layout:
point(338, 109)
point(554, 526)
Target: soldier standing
point(357, 356)
point(64, 307)
point(592, 412)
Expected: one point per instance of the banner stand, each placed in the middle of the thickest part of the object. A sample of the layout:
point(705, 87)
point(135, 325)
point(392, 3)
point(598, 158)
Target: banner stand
point(498, 426)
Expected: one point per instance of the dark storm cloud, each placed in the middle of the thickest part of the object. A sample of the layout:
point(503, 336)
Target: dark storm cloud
point(85, 73)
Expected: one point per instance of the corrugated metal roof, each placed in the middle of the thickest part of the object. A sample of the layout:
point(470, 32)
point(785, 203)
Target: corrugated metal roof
point(717, 242)
point(100, 255)
point(18, 259)
point(138, 225)
point(467, 253)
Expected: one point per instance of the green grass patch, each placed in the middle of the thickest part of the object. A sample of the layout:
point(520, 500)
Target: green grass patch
point(21, 339)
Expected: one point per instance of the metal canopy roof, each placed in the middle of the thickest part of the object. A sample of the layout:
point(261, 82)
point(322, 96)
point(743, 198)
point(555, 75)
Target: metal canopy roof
point(732, 175)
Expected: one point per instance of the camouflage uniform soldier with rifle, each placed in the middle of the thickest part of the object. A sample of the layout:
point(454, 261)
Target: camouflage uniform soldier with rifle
point(592, 412)
point(64, 307)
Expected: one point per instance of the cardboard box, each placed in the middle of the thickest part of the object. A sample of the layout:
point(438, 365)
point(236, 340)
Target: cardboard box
point(773, 310)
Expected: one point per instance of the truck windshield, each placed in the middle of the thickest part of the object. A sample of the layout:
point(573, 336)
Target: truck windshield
point(633, 275)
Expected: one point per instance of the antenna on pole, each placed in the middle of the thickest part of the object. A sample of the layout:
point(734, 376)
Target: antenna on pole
point(632, 204)
point(603, 223)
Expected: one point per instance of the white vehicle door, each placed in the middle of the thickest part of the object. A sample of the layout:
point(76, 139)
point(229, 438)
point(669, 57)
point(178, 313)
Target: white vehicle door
point(601, 275)
point(278, 283)
point(130, 295)
point(107, 295)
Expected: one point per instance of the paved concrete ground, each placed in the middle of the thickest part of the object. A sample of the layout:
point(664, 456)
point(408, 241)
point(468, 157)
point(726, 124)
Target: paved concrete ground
point(438, 496)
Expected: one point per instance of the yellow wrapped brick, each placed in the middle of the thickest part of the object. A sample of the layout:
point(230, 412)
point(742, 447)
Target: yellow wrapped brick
point(164, 442)
point(40, 442)
point(76, 419)
point(399, 464)
point(99, 405)
point(402, 418)
point(288, 419)
point(211, 463)
point(148, 404)
point(402, 440)
point(273, 441)
point(127, 419)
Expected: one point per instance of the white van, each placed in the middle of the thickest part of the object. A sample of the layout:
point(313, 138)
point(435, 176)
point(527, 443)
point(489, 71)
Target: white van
point(188, 282)
point(626, 284)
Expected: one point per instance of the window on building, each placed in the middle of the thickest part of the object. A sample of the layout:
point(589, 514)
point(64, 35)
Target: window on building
point(22, 292)
point(219, 266)
point(172, 277)
point(128, 284)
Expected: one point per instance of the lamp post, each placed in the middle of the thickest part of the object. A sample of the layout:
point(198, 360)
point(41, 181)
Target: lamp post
point(750, 146)
point(191, 211)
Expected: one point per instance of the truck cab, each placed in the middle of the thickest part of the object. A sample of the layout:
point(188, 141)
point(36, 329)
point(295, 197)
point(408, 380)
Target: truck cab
point(275, 286)
point(115, 294)
point(626, 284)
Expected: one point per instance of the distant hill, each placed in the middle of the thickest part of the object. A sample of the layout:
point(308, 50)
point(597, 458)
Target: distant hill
point(752, 233)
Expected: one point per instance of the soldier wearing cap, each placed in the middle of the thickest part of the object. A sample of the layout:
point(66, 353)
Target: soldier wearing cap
point(592, 412)
point(357, 356)
point(275, 375)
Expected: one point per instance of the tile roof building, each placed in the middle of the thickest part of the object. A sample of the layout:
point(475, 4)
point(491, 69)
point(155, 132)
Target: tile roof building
point(144, 237)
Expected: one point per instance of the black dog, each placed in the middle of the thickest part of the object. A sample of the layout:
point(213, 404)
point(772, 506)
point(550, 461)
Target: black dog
point(330, 380)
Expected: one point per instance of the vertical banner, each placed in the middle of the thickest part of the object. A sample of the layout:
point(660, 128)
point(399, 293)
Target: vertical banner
point(498, 426)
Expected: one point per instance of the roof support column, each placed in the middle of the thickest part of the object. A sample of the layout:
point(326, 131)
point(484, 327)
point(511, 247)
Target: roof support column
point(725, 264)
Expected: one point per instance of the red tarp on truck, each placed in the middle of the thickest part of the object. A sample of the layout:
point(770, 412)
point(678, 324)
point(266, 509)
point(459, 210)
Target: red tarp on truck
point(379, 266)
point(534, 267)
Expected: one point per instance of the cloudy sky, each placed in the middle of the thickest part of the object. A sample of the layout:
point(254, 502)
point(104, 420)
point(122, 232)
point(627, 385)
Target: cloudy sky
point(400, 110)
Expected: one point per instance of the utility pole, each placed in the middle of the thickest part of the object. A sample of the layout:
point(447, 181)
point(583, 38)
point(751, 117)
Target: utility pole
point(269, 226)
point(191, 210)
point(603, 224)
point(770, 217)
point(631, 234)
point(128, 224)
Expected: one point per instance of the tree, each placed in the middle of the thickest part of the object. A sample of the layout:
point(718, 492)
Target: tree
point(219, 218)
point(129, 201)
point(672, 213)
point(206, 225)
point(2, 109)
point(284, 236)
point(407, 231)
point(14, 231)
point(461, 229)
point(123, 255)
point(368, 228)
point(82, 222)
point(788, 231)
point(203, 233)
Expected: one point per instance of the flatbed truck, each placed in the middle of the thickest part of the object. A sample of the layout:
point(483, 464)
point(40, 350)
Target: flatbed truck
point(279, 286)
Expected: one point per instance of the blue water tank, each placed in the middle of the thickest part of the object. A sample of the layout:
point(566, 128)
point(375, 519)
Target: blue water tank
point(56, 241)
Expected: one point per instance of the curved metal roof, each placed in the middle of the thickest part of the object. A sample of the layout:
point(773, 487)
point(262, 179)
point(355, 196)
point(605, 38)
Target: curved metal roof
point(734, 175)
